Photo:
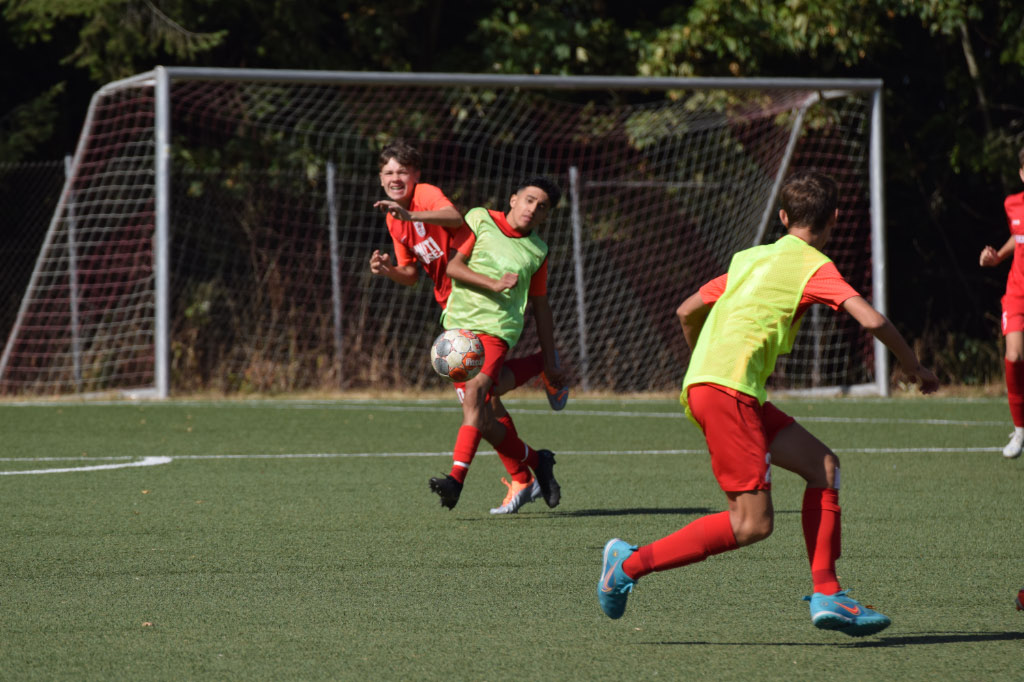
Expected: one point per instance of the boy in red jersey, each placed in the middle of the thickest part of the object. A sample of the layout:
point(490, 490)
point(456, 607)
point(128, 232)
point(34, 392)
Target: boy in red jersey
point(421, 220)
point(737, 325)
point(500, 268)
point(1013, 312)
point(425, 227)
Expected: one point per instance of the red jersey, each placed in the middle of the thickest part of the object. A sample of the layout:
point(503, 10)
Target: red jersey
point(464, 245)
point(429, 245)
point(826, 286)
point(1014, 206)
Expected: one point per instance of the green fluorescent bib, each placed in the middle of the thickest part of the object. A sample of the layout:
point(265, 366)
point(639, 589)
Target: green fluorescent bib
point(494, 254)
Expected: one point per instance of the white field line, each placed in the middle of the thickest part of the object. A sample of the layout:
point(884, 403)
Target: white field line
point(446, 453)
point(414, 406)
point(511, 399)
point(125, 462)
point(155, 461)
point(144, 462)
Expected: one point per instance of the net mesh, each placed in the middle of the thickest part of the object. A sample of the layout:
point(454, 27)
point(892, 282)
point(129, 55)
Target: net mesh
point(666, 186)
point(28, 195)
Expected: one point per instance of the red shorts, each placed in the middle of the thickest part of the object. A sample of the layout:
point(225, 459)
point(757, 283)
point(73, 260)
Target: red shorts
point(738, 431)
point(1013, 314)
point(495, 351)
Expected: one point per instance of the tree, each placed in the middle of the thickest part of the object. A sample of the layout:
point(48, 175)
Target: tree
point(115, 36)
point(953, 123)
point(952, 68)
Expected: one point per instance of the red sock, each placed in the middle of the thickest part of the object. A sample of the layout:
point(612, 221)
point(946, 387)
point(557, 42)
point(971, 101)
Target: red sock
point(466, 444)
point(512, 459)
point(524, 369)
point(517, 449)
point(1015, 390)
point(820, 517)
point(694, 542)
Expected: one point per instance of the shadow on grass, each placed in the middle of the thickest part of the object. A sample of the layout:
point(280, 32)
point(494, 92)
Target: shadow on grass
point(637, 511)
point(550, 514)
point(880, 642)
point(937, 638)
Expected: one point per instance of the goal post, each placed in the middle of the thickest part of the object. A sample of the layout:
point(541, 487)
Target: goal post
point(216, 225)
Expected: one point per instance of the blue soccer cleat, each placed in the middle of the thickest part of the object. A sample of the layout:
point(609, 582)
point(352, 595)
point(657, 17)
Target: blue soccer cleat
point(847, 615)
point(614, 587)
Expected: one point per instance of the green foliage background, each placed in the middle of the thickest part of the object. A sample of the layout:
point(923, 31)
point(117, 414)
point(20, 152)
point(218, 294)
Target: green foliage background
point(954, 117)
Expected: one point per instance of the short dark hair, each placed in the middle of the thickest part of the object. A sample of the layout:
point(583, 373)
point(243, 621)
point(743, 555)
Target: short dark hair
point(1020, 157)
point(810, 198)
point(553, 191)
point(403, 152)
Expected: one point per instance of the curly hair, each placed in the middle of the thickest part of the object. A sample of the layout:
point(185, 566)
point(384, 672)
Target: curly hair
point(403, 152)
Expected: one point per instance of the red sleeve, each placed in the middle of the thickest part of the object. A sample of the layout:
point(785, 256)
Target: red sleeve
point(429, 198)
point(460, 236)
point(464, 240)
point(711, 291)
point(539, 281)
point(827, 286)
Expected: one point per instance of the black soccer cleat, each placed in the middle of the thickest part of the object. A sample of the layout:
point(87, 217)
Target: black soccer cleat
point(549, 488)
point(448, 489)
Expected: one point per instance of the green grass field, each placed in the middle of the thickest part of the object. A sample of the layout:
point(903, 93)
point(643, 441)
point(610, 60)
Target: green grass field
point(298, 540)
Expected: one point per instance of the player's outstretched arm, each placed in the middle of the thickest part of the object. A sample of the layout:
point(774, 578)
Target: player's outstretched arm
point(877, 323)
point(546, 336)
point(459, 270)
point(447, 217)
point(692, 313)
point(991, 258)
point(380, 264)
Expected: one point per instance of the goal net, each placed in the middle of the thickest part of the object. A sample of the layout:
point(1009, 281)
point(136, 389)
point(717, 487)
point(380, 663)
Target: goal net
point(261, 187)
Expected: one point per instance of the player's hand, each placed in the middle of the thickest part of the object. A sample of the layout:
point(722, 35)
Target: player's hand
point(394, 208)
point(380, 262)
point(989, 257)
point(507, 281)
point(556, 375)
point(925, 379)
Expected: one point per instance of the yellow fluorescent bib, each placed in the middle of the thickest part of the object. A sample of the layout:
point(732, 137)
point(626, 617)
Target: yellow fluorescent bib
point(752, 323)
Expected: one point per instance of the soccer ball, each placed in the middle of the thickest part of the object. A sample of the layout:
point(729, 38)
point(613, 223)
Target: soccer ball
point(1020, 600)
point(457, 355)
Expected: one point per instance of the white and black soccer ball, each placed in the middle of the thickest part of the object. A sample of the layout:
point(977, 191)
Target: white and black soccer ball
point(457, 355)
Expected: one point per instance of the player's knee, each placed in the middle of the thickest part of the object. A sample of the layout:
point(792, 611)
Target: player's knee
point(506, 382)
point(753, 529)
point(473, 399)
point(473, 409)
point(1013, 354)
point(832, 470)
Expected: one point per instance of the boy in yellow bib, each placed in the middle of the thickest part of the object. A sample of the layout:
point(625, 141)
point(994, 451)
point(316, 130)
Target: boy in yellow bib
point(737, 325)
point(500, 267)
